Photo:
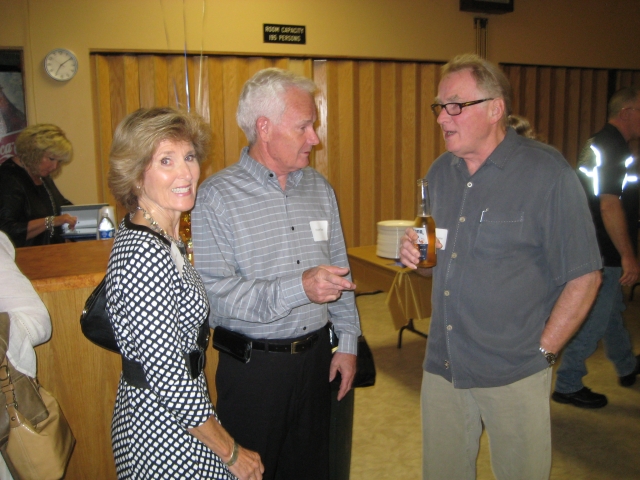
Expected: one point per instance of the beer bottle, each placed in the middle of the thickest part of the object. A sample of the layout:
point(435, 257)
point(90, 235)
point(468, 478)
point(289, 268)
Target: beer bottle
point(425, 227)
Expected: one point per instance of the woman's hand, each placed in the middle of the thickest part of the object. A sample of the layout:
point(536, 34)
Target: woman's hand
point(248, 466)
point(65, 218)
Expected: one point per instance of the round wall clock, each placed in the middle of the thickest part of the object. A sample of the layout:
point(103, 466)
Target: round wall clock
point(61, 64)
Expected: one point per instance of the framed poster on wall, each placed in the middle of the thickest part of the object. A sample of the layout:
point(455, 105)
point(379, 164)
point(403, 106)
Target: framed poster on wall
point(13, 116)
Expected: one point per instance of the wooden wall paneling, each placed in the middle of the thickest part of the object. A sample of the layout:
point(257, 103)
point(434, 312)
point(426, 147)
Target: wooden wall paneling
point(347, 184)
point(232, 81)
point(131, 84)
point(530, 93)
point(409, 139)
point(162, 91)
point(514, 74)
point(333, 131)
point(198, 83)
point(586, 117)
point(146, 72)
point(542, 122)
point(558, 98)
point(572, 124)
point(320, 157)
point(600, 100)
point(116, 89)
point(367, 143)
point(388, 140)
point(215, 88)
point(100, 100)
point(104, 133)
point(176, 77)
point(428, 128)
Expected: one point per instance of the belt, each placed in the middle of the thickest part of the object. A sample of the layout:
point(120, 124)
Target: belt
point(294, 346)
point(133, 373)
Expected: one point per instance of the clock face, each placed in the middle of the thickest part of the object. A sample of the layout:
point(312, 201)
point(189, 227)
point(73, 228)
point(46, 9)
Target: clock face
point(61, 64)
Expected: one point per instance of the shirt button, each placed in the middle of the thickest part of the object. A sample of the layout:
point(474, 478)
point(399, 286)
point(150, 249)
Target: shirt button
point(469, 184)
point(271, 175)
point(462, 219)
point(298, 262)
point(449, 327)
point(454, 255)
point(293, 228)
point(446, 293)
point(446, 364)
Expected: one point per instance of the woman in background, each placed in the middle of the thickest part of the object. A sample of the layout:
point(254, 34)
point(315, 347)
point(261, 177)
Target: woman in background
point(29, 199)
point(165, 427)
point(30, 322)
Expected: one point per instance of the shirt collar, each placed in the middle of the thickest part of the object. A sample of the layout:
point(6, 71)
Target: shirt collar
point(501, 154)
point(262, 174)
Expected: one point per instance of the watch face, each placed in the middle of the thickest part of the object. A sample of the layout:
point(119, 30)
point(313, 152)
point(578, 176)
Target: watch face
point(61, 64)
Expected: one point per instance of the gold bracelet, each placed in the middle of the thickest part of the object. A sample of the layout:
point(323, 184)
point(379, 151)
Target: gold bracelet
point(234, 455)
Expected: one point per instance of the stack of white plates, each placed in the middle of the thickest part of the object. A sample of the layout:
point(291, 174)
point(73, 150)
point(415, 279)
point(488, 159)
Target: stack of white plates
point(389, 234)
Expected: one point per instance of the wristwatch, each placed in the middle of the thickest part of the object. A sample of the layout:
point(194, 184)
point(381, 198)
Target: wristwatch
point(551, 357)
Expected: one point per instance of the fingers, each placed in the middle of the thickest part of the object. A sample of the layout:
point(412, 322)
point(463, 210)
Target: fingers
point(248, 465)
point(409, 255)
point(346, 364)
point(325, 283)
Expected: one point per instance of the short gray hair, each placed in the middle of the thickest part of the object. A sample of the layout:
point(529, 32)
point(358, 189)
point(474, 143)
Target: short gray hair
point(489, 78)
point(263, 96)
point(621, 99)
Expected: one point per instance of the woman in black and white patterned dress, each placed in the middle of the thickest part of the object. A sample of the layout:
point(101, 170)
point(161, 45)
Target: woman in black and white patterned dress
point(164, 425)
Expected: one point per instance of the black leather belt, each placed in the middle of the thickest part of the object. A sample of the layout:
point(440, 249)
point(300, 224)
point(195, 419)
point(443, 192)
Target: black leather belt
point(294, 346)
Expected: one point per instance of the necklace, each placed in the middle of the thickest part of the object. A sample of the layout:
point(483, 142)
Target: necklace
point(157, 228)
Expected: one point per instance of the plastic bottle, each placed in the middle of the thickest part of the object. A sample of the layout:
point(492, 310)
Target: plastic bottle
point(106, 228)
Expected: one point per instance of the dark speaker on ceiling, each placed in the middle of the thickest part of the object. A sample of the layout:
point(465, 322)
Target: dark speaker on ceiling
point(486, 6)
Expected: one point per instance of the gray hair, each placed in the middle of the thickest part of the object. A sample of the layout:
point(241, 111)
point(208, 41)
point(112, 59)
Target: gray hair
point(489, 78)
point(622, 99)
point(263, 96)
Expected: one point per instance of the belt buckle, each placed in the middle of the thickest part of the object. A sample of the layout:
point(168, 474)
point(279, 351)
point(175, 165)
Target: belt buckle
point(294, 346)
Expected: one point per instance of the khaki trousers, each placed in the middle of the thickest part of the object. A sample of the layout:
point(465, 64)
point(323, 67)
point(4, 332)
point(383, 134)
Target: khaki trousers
point(516, 417)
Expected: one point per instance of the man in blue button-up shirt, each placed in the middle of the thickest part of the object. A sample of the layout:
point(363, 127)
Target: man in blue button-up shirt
point(515, 280)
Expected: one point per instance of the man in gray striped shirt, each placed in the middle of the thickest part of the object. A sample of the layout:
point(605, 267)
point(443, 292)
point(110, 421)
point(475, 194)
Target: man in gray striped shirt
point(269, 246)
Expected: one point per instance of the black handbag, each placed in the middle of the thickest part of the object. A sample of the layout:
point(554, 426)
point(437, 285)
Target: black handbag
point(94, 321)
point(365, 366)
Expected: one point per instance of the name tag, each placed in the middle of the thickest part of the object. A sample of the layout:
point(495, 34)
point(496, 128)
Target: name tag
point(320, 230)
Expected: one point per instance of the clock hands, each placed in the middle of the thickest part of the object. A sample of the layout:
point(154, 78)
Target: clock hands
point(60, 66)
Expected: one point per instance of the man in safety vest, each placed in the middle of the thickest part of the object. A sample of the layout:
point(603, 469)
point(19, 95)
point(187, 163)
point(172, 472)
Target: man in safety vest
point(609, 176)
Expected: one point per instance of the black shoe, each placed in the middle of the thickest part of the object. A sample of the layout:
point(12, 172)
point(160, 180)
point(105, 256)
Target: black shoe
point(630, 379)
point(583, 398)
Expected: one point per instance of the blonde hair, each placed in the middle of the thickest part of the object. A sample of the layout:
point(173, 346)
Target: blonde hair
point(489, 78)
point(44, 139)
point(137, 138)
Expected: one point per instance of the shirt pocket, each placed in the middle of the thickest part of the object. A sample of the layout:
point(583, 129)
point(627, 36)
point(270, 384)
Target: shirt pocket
point(499, 232)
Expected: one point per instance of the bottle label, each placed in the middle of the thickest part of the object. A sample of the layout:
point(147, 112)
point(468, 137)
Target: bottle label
point(422, 242)
point(423, 239)
point(106, 234)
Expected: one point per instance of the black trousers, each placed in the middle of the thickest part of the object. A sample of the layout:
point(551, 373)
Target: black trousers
point(279, 405)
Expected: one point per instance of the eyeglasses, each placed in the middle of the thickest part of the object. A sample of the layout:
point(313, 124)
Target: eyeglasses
point(453, 108)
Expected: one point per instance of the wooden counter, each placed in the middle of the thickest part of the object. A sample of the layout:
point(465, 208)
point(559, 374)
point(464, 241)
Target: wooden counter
point(82, 376)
